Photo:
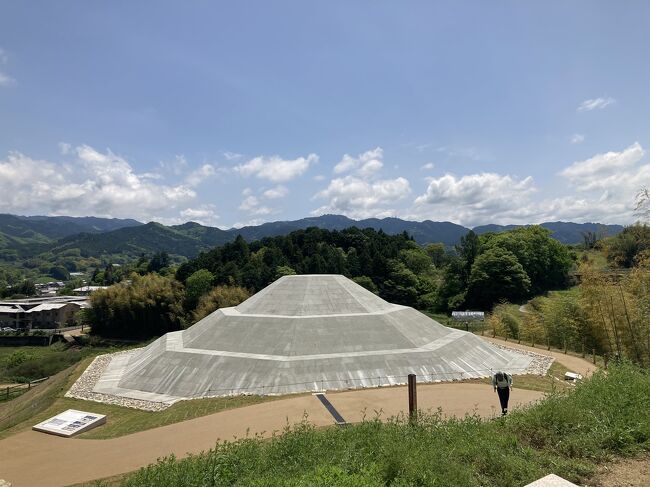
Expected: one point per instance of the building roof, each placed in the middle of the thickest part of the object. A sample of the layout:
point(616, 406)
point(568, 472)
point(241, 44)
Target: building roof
point(85, 289)
point(299, 334)
point(11, 309)
point(47, 307)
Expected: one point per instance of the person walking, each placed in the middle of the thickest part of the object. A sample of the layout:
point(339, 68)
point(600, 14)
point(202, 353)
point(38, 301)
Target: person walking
point(502, 383)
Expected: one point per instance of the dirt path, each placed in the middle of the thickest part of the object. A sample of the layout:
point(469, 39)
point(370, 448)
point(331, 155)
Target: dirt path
point(36, 459)
point(632, 472)
point(573, 363)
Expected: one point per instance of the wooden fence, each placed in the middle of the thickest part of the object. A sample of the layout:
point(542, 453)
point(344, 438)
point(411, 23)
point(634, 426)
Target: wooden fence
point(7, 392)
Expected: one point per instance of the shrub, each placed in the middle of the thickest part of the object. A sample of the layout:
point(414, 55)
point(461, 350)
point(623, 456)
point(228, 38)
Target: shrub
point(220, 297)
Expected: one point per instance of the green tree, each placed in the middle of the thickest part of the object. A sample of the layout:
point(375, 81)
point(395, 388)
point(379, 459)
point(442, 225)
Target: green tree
point(496, 275)
point(284, 270)
point(220, 297)
point(417, 260)
point(365, 281)
point(159, 261)
point(401, 285)
point(545, 260)
point(196, 286)
point(59, 272)
point(623, 249)
point(437, 254)
point(150, 306)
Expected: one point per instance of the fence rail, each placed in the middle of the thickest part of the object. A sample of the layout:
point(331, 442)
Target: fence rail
point(18, 389)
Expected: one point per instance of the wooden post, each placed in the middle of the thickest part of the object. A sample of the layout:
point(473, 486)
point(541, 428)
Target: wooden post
point(606, 359)
point(594, 353)
point(413, 396)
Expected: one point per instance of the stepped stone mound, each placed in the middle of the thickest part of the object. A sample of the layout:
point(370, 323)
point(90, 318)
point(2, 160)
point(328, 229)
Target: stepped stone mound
point(302, 333)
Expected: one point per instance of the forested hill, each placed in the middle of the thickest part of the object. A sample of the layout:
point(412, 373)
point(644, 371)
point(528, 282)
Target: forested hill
point(423, 232)
point(30, 229)
point(565, 232)
point(24, 237)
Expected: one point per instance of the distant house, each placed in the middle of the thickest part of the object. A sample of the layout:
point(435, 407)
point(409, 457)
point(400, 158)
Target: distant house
point(52, 315)
point(86, 290)
point(12, 316)
point(43, 312)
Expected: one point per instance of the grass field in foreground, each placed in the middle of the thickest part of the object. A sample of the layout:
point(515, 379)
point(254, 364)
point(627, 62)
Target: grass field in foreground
point(568, 434)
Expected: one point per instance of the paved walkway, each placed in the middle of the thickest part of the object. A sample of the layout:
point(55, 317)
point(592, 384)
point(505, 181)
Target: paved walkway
point(32, 459)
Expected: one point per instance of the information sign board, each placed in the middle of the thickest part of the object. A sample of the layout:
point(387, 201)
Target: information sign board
point(468, 315)
point(70, 422)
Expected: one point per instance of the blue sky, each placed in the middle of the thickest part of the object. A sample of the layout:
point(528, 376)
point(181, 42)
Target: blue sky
point(231, 113)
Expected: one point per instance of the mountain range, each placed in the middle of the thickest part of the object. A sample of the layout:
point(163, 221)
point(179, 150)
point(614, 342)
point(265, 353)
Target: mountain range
point(22, 236)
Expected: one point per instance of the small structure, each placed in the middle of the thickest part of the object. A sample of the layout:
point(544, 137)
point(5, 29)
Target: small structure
point(70, 423)
point(467, 317)
point(87, 290)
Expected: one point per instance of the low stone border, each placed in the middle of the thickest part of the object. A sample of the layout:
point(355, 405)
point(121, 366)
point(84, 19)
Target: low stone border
point(84, 385)
point(540, 364)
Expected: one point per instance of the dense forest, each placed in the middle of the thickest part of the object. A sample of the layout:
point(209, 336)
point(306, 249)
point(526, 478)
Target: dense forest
point(480, 271)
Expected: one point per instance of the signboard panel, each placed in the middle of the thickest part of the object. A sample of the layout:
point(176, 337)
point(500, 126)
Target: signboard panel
point(468, 315)
point(70, 422)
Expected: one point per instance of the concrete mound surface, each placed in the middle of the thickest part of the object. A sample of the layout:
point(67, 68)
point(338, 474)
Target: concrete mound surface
point(300, 334)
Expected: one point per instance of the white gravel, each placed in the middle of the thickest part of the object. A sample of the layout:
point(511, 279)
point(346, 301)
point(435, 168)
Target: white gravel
point(84, 385)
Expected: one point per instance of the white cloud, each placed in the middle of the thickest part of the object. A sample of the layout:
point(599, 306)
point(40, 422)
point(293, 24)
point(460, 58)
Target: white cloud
point(252, 206)
point(95, 183)
point(577, 139)
point(365, 164)
point(6, 80)
point(595, 104)
point(275, 168)
point(277, 192)
point(610, 170)
point(232, 156)
point(473, 198)
point(319, 177)
point(428, 166)
point(359, 198)
point(201, 174)
point(204, 214)
point(249, 223)
point(64, 148)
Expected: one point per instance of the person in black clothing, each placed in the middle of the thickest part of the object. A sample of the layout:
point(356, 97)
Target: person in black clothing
point(502, 383)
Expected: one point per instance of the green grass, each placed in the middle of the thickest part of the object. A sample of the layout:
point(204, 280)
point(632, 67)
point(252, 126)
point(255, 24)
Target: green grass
point(567, 434)
point(48, 399)
point(550, 383)
point(22, 364)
